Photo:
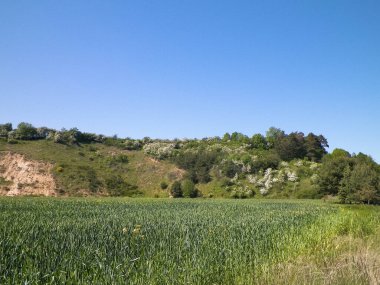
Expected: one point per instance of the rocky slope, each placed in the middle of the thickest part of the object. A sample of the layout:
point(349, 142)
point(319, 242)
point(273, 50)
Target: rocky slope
point(21, 176)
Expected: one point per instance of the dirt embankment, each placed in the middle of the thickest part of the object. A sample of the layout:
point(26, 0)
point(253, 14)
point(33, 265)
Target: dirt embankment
point(20, 176)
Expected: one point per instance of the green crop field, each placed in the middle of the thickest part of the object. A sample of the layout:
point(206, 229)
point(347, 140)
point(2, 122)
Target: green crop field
point(163, 241)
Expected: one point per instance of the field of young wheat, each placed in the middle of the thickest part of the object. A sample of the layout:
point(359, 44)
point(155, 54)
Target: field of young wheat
point(154, 241)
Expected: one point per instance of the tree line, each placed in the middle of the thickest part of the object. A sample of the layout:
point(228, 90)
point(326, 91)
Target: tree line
point(353, 178)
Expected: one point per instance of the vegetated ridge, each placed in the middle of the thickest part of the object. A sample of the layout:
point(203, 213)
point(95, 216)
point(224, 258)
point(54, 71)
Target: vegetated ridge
point(43, 161)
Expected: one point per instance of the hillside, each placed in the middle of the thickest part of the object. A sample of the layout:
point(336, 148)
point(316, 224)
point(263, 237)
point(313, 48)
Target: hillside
point(277, 165)
point(92, 169)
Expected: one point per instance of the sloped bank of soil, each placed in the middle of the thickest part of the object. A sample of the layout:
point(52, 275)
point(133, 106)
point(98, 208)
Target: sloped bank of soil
point(21, 176)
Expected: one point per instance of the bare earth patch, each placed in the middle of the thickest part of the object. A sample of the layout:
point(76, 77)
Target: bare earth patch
point(25, 177)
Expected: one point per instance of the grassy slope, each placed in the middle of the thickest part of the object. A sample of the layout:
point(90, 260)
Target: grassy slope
point(80, 170)
point(349, 254)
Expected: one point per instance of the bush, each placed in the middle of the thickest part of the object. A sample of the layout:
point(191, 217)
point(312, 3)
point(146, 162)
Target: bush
point(230, 169)
point(117, 186)
point(164, 185)
point(89, 175)
point(225, 182)
point(120, 158)
point(188, 189)
point(198, 164)
point(5, 129)
point(59, 169)
point(25, 131)
point(12, 141)
point(67, 136)
point(159, 150)
point(176, 190)
point(133, 145)
point(250, 193)
point(267, 160)
point(119, 143)
point(94, 184)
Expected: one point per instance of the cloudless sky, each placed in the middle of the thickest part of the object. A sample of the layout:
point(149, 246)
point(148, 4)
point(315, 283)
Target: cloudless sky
point(194, 68)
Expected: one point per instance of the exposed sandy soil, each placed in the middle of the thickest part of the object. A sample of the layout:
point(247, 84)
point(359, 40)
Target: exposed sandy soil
point(25, 177)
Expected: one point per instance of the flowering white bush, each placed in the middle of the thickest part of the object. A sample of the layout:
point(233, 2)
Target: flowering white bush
point(292, 176)
point(266, 182)
point(314, 166)
point(159, 150)
point(235, 178)
point(284, 164)
point(219, 147)
point(299, 163)
point(314, 178)
point(252, 179)
point(246, 168)
point(281, 176)
point(263, 191)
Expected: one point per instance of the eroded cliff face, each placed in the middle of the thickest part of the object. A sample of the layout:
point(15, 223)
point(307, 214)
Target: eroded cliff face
point(21, 176)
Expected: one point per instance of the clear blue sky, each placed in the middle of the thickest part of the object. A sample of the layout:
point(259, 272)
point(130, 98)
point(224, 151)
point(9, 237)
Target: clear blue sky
point(194, 68)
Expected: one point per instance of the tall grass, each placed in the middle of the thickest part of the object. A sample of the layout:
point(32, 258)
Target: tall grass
point(349, 254)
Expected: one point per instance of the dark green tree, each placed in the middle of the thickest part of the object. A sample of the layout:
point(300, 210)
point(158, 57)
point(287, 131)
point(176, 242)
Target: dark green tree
point(345, 192)
point(273, 135)
point(291, 146)
point(364, 182)
point(258, 141)
point(331, 173)
point(25, 131)
point(226, 137)
point(267, 159)
point(239, 137)
point(315, 147)
point(198, 164)
point(229, 169)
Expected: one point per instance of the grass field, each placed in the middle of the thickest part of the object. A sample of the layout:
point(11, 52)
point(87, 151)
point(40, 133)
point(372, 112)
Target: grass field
point(163, 241)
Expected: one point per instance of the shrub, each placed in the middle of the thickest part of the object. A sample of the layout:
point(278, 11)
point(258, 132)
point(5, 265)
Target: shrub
point(229, 169)
point(120, 158)
point(133, 145)
point(25, 131)
point(12, 141)
point(117, 186)
point(198, 164)
point(159, 150)
point(67, 136)
point(119, 143)
point(5, 129)
point(188, 188)
point(59, 169)
point(250, 193)
point(176, 190)
point(164, 185)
